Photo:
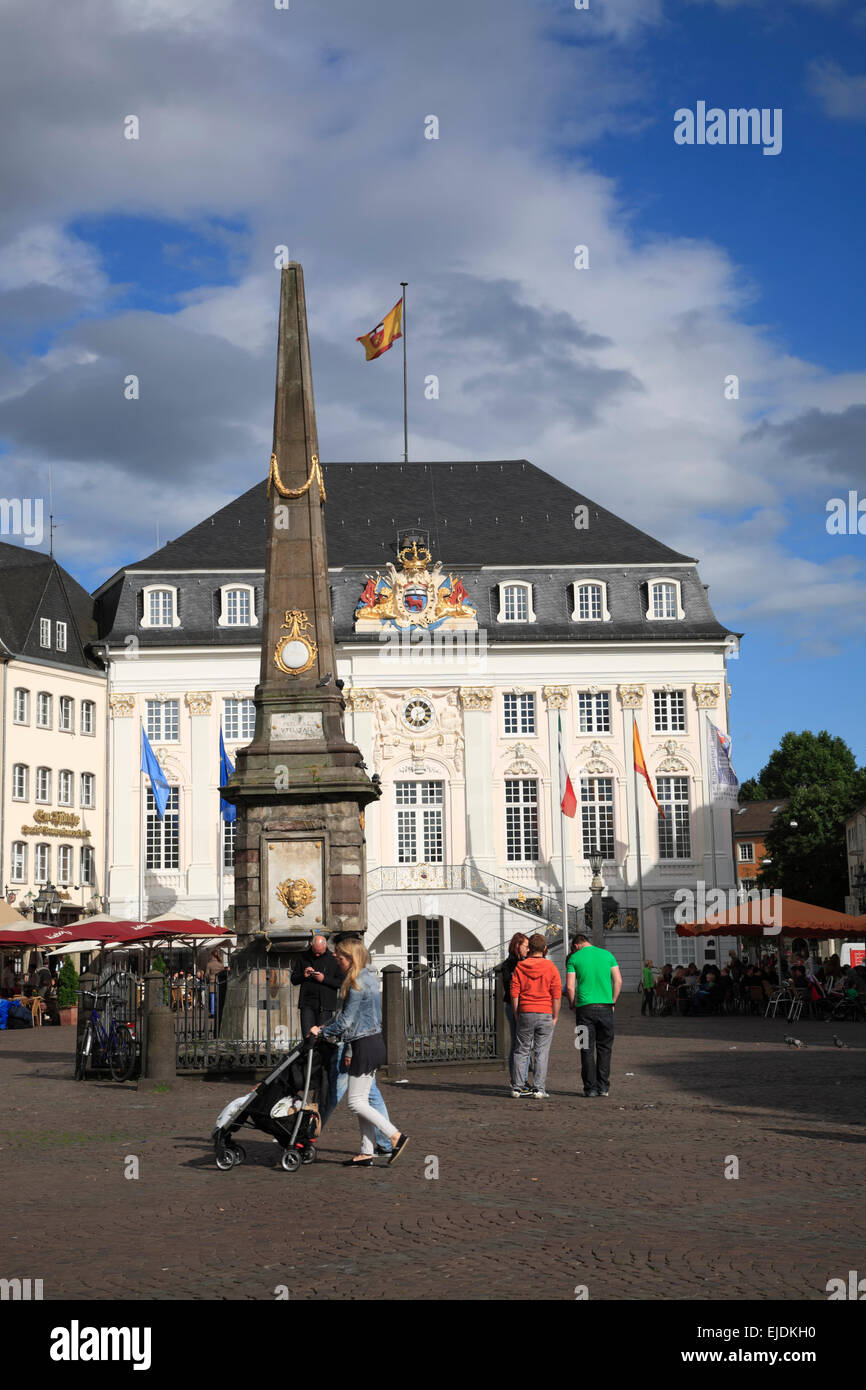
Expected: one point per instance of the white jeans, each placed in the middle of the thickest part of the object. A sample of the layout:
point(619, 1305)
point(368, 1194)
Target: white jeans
point(370, 1120)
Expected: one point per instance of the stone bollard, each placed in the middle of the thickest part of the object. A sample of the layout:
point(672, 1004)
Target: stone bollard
point(503, 1027)
point(159, 1045)
point(393, 1022)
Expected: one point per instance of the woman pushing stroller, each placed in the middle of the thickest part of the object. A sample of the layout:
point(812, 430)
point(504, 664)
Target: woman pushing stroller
point(359, 1024)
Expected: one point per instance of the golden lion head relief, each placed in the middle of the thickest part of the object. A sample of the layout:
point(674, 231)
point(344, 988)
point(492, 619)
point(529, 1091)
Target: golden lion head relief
point(295, 894)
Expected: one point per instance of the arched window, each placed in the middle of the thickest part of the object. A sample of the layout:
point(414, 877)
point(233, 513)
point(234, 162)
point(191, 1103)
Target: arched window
point(665, 601)
point(43, 864)
point(515, 603)
point(64, 864)
point(237, 606)
point(159, 606)
point(65, 788)
point(590, 603)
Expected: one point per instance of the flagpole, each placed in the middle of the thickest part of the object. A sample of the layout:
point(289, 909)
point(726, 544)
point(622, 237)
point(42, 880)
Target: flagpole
point(403, 284)
point(220, 856)
point(563, 833)
point(640, 921)
point(141, 831)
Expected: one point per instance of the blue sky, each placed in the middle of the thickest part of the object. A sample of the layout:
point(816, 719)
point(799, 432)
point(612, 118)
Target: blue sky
point(306, 128)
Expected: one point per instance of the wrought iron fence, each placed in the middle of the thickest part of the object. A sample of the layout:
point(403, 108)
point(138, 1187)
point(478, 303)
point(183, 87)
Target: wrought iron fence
point(246, 1021)
point(450, 1013)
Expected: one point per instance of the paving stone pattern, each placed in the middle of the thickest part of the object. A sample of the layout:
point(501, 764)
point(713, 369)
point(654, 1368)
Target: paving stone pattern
point(625, 1195)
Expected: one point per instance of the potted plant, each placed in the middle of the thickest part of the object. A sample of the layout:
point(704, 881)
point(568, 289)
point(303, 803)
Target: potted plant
point(67, 993)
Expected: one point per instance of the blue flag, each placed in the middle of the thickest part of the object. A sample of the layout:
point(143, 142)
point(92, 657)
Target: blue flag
point(158, 783)
point(227, 810)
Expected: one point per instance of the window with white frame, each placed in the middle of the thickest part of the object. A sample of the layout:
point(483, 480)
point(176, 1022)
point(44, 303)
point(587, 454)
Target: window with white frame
point(519, 714)
point(675, 839)
point(521, 820)
point(43, 785)
point(596, 816)
point(665, 601)
point(42, 873)
point(593, 712)
point(669, 711)
point(67, 714)
point(163, 836)
point(420, 822)
point(60, 636)
point(19, 861)
point(237, 606)
point(88, 791)
point(239, 719)
point(21, 707)
point(515, 603)
point(229, 829)
point(20, 778)
point(45, 632)
point(678, 950)
point(590, 603)
point(163, 721)
point(88, 717)
point(159, 606)
point(426, 933)
point(86, 874)
point(64, 864)
point(746, 851)
point(65, 788)
point(43, 710)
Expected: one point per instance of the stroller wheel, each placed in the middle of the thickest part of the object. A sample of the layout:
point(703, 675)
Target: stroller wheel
point(290, 1160)
point(309, 1155)
point(240, 1153)
point(225, 1159)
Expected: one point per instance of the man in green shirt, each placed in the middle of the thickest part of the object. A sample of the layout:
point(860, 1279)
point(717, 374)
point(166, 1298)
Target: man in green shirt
point(593, 981)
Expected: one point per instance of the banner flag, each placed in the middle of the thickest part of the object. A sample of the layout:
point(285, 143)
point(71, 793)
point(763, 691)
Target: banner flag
point(158, 783)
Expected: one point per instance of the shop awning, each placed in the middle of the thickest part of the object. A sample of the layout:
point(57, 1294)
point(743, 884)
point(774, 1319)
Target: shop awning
point(798, 919)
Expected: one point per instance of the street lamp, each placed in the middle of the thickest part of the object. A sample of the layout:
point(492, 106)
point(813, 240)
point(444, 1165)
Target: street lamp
point(47, 902)
point(597, 888)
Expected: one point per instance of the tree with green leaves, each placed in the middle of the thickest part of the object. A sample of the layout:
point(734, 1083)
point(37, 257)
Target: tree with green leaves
point(818, 775)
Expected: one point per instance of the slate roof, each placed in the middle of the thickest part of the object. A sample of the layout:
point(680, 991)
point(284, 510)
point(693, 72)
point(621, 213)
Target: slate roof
point(486, 522)
point(755, 818)
point(34, 586)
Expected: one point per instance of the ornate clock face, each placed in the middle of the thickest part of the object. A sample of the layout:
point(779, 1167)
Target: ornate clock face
point(418, 713)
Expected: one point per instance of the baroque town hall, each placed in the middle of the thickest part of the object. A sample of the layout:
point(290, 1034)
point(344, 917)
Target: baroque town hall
point(475, 607)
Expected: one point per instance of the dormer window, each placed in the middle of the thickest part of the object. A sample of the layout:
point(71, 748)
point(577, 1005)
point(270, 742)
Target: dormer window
point(159, 606)
point(237, 606)
point(45, 632)
point(515, 603)
point(590, 603)
point(665, 601)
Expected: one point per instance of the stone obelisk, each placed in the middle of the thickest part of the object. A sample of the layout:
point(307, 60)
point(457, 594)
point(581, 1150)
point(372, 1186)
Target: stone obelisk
point(300, 788)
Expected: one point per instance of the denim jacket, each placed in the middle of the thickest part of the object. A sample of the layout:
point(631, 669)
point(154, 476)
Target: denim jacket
point(361, 1016)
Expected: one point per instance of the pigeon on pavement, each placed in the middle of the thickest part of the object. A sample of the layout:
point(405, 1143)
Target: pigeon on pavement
point(794, 1042)
point(837, 1042)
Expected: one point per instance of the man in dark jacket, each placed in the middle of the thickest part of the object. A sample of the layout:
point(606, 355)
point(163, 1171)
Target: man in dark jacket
point(317, 972)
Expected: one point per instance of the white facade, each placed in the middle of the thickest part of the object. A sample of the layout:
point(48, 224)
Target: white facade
point(454, 777)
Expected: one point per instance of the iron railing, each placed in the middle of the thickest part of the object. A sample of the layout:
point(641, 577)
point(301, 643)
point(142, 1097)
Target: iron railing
point(248, 1021)
point(450, 1013)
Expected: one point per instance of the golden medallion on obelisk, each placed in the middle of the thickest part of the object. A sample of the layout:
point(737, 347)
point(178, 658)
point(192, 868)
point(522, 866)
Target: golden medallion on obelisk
point(295, 652)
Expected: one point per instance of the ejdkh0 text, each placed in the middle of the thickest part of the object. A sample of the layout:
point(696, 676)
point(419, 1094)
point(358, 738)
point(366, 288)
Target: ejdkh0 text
point(77, 1343)
point(737, 126)
point(719, 905)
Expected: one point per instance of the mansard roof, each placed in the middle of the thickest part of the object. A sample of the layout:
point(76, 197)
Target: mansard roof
point(34, 586)
point(487, 521)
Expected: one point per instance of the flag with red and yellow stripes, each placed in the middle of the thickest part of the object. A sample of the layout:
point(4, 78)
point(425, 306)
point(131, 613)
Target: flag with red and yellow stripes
point(640, 766)
point(384, 334)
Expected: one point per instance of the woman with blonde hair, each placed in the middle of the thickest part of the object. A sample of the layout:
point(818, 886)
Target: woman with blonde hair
point(359, 1024)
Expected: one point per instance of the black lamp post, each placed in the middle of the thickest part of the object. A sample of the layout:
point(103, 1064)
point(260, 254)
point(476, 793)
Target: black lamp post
point(47, 904)
point(597, 888)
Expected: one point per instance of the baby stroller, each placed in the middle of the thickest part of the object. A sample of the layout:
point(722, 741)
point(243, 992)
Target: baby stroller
point(287, 1105)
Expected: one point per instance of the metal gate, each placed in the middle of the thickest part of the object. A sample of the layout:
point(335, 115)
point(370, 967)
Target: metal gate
point(450, 1013)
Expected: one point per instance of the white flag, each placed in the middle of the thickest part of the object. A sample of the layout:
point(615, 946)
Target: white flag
point(724, 786)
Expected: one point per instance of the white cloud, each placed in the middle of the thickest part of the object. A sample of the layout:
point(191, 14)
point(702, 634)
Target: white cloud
point(842, 94)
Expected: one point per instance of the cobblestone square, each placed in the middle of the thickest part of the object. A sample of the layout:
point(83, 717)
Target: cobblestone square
point(626, 1196)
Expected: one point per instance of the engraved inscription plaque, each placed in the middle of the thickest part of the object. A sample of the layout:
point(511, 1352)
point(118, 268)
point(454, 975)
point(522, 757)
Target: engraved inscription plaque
point(303, 725)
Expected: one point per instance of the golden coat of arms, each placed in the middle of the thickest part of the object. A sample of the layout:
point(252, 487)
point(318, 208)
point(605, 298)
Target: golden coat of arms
point(416, 597)
point(295, 894)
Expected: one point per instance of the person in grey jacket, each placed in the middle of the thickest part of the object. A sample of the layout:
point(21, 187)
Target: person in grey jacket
point(360, 1025)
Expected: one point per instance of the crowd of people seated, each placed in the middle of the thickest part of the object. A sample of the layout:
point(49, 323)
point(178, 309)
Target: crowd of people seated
point(741, 985)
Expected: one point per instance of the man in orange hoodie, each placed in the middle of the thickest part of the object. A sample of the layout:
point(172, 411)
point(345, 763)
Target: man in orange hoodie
point(536, 994)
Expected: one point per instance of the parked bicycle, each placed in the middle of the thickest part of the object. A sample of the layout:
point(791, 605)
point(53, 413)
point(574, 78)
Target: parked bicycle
point(106, 1043)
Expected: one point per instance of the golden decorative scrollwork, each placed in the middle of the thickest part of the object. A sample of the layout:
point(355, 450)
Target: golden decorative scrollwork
point(295, 894)
point(295, 492)
point(297, 622)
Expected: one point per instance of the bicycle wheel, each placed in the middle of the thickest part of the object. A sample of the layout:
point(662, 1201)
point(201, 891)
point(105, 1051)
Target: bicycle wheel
point(83, 1056)
point(122, 1055)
